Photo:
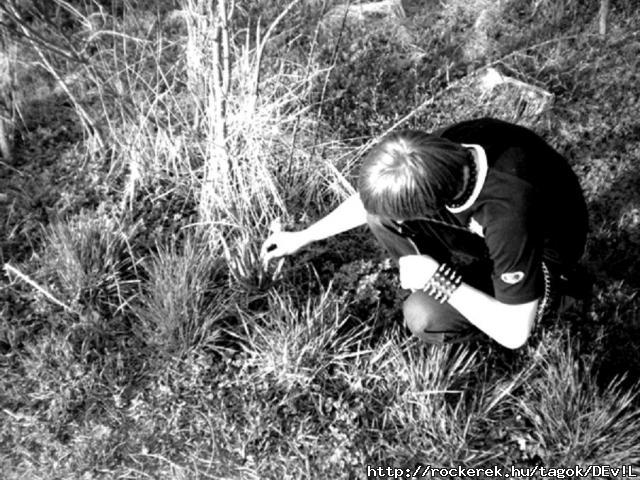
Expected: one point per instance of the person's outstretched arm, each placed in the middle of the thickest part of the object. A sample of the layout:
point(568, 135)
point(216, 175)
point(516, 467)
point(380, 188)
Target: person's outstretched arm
point(348, 215)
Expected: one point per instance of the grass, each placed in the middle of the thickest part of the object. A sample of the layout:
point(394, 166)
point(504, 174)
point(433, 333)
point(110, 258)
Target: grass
point(578, 422)
point(184, 300)
point(138, 199)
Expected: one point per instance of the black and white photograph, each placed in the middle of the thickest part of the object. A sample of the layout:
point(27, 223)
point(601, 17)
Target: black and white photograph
point(319, 239)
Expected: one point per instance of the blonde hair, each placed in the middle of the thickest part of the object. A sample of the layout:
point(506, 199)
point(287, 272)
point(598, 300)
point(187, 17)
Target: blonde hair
point(411, 173)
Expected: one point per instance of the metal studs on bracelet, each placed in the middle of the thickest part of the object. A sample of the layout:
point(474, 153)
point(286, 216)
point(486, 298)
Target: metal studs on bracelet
point(443, 283)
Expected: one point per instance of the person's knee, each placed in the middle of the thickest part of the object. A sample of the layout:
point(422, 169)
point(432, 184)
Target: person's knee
point(420, 312)
point(435, 322)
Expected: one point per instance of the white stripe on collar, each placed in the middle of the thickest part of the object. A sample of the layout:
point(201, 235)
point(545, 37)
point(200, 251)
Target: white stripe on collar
point(480, 157)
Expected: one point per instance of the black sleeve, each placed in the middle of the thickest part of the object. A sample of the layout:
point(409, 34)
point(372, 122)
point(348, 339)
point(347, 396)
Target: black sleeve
point(513, 237)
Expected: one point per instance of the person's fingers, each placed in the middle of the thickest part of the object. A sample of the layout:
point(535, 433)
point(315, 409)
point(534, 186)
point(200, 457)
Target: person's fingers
point(270, 251)
point(264, 250)
point(265, 261)
point(266, 258)
point(268, 245)
point(277, 245)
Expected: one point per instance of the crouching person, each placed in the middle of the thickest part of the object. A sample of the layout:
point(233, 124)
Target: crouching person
point(486, 221)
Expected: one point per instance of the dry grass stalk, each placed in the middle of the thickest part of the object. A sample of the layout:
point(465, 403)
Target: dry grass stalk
point(602, 16)
point(22, 29)
point(7, 88)
point(5, 139)
point(11, 269)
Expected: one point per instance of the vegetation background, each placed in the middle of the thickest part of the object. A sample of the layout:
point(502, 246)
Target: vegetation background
point(152, 145)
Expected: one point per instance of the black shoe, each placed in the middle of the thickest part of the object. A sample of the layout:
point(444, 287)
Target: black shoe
point(573, 285)
point(575, 282)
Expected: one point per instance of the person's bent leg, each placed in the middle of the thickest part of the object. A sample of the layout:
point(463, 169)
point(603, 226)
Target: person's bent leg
point(435, 322)
point(428, 319)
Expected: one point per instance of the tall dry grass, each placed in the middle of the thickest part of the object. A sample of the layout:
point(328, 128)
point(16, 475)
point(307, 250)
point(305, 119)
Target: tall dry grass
point(193, 116)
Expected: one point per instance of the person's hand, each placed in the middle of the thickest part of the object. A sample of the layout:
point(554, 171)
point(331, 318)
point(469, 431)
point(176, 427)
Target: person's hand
point(279, 244)
point(416, 270)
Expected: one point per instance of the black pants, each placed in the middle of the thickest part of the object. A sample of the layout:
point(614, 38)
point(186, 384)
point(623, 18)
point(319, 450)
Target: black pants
point(434, 322)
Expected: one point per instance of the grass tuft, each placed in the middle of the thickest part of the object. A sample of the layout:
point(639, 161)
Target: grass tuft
point(91, 260)
point(573, 420)
point(184, 301)
point(431, 411)
point(295, 345)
